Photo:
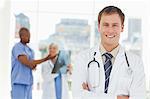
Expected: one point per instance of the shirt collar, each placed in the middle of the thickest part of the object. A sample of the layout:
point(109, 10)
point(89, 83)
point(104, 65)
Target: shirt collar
point(114, 52)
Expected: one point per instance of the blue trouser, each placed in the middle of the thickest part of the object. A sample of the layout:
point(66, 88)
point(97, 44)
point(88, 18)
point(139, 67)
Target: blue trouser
point(58, 86)
point(21, 91)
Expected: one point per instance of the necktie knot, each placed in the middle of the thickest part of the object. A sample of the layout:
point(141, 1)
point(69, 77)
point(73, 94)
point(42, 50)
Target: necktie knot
point(108, 56)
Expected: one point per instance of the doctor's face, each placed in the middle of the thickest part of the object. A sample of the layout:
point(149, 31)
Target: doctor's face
point(53, 50)
point(110, 28)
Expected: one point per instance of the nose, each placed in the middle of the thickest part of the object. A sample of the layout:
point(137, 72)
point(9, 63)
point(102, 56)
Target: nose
point(110, 29)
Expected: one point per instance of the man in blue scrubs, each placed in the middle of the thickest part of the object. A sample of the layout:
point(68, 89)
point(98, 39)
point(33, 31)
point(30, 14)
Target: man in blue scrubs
point(22, 61)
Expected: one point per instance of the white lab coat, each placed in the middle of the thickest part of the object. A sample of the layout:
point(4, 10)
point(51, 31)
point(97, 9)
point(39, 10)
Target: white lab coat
point(122, 80)
point(49, 82)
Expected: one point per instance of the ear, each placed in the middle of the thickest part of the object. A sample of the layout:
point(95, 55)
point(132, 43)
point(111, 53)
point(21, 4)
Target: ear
point(99, 27)
point(122, 28)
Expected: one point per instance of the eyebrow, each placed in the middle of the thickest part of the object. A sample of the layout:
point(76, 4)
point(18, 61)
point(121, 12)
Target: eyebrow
point(112, 23)
point(116, 23)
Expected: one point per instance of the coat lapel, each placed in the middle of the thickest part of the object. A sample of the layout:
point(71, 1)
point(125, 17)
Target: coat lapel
point(118, 63)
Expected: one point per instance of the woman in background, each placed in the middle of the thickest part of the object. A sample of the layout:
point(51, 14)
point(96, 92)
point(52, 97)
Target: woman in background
point(54, 73)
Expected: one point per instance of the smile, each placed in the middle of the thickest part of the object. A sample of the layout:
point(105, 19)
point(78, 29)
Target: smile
point(110, 36)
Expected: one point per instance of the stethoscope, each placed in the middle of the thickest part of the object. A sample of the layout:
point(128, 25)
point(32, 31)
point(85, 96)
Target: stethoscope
point(129, 70)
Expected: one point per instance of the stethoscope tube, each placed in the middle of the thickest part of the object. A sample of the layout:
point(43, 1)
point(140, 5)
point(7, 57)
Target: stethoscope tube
point(94, 60)
point(99, 64)
point(126, 59)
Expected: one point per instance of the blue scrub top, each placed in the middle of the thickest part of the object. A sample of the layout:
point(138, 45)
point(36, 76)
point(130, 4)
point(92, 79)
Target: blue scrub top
point(20, 73)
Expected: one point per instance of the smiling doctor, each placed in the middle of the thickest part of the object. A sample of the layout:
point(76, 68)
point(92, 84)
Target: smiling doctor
point(108, 70)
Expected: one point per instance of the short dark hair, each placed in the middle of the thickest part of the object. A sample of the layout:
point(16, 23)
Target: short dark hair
point(111, 10)
point(22, 29)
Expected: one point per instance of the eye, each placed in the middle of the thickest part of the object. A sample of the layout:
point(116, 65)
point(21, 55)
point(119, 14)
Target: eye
point(105, 24)
point(115, 25)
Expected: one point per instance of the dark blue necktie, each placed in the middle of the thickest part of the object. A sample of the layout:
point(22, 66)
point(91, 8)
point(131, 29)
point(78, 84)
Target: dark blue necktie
point(107, 68)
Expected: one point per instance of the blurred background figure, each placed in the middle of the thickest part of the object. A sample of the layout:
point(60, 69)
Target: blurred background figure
point(54, 73)
point(22, 64)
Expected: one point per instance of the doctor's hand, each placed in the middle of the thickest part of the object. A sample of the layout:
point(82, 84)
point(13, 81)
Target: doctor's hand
point(85, 86)
point(49, 57)
point(122, 97)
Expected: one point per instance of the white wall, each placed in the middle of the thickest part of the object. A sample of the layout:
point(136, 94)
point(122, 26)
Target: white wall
point(4, 49)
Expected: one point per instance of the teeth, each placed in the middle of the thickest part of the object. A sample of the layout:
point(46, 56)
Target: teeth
point(110, 36)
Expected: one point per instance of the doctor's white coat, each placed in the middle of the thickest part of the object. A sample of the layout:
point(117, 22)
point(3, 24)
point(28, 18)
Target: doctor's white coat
point(124, 80)
point(49, 82)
